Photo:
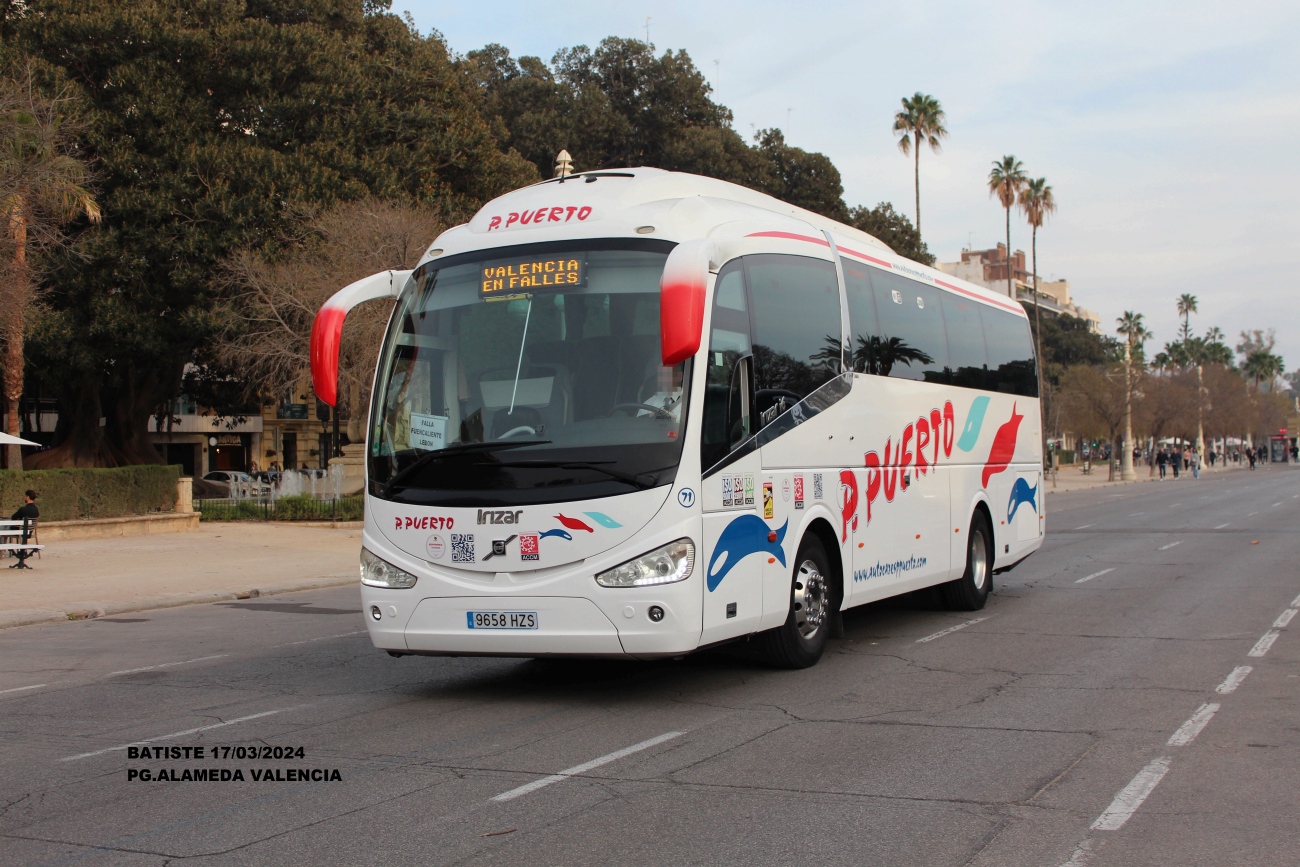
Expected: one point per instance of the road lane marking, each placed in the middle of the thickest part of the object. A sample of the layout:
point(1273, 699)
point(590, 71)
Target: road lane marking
point(1234, 680)
point(322, 638)
point(175, 735)
point(1131, 796)
point(1080, 856)
point(586, 766)
point(1188, 731)
point(1265, 642)
point(1252, 514)
point(1135, 514)
point(1277, 504)
point(1171, 545)
point(1284, 618)
point(1295, 603)
point(22, 688)
point(951, 629)
point(1220, 527)
point(165, 665)
point(1095, 575)
point(1174, 505)
point(1085, 526)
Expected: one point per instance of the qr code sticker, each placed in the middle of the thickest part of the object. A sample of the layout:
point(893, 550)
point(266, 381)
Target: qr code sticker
point(817, 486)
point(462, 547)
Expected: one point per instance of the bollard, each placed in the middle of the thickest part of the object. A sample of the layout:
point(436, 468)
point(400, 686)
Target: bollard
point(184, 494)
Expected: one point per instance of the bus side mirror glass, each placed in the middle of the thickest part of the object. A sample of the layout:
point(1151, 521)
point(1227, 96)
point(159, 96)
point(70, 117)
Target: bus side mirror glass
point(681, 300)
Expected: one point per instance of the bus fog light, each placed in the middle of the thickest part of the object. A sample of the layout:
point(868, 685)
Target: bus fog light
point(655, 613)
point(667, 565)
point(375, 614)
point(380, 573)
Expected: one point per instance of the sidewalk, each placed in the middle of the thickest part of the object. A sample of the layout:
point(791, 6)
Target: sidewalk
point(1072, 479)
point(97, 577)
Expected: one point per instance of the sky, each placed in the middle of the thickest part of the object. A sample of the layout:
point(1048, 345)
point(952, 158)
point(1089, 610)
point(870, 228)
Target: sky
point(1169, 131)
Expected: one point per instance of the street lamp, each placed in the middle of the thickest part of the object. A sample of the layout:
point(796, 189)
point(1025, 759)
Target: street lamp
point(1127, 473)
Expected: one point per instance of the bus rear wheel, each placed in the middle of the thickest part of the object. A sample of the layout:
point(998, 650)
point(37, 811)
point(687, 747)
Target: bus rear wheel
point(971, 590)
point(801, 640)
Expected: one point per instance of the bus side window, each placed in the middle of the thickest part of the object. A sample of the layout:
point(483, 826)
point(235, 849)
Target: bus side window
point(912, 344)
point(863, 326)
point(965, 341)
point(725, 422)
point(796, 314)
point(1011, 353)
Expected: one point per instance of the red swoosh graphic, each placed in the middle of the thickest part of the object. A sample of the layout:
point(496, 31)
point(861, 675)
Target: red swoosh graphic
point(1004, 447)
point(573, 523)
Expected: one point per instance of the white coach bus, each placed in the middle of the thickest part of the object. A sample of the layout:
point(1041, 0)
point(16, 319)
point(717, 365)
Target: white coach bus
point(635, 413)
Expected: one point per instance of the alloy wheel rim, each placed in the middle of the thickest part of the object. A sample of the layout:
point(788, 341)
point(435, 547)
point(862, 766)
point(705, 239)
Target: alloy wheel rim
point(979, 560)
point(809, 599)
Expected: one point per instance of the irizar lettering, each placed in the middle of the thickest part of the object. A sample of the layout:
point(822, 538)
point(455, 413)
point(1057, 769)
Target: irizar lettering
point(499, 516)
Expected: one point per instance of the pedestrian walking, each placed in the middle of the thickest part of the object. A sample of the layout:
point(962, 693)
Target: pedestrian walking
point(1177, 460)
point(1162, 461)
point(1196, 464)
point(1250, 456)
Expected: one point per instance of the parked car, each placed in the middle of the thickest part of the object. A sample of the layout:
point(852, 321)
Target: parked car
point(238, 484)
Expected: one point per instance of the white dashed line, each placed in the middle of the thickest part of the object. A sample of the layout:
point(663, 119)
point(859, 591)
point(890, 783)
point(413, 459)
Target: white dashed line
point(322, 638)
point(1174, 505)
point(165, 665)
point(1188, 731)
point(1135, 514)
point(950, 630)
point(1171, 545)
point(1252, 514)
point(1284, 618)
point(1234, 680)
point(1085, 526)
point(23, 688)
point(174, 735)
point(1277, 504)
point(1220, 527)
point(1095, 575)
point(1080, 856)
point(1131, 796)
point(1265, 642)
point(1295, 603)
point(585, 766)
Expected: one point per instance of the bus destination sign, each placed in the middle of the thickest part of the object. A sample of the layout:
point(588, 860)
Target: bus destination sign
point(550, 272)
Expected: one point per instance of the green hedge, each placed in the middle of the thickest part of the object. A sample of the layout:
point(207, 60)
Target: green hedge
point(1067, 456)
point(64, 495)
point(300, 508)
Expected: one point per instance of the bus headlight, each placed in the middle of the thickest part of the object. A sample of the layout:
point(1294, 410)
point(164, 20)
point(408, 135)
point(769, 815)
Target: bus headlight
point(381, 573)
point(667, 565)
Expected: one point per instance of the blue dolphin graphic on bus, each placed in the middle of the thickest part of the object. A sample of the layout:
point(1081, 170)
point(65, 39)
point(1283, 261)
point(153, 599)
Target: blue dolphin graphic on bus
point(744, 536)
point(563, 534)
point(1021, 493)
point(970, 433)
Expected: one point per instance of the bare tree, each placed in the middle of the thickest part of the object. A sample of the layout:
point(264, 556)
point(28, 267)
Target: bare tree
point(1093, 401)
point(271, 302)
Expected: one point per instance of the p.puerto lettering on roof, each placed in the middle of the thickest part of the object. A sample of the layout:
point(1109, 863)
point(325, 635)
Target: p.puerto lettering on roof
point(532, 217)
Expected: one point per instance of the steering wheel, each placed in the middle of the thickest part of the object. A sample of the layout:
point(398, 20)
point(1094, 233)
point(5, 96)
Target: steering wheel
point(522, 429)
point(658, 411)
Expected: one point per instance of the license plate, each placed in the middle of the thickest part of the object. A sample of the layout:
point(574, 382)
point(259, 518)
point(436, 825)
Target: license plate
point(501, 619)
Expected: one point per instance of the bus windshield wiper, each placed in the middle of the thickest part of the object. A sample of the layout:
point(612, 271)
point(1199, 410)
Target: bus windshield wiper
point(638, 480)
point(455, 449)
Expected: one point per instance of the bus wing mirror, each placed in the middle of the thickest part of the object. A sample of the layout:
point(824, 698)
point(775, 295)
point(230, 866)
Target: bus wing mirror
point(681, 299)
point(327, 329)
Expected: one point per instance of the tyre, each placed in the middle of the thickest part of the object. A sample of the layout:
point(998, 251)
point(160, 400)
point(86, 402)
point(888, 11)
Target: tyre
point(800, 641)
point(971, 590)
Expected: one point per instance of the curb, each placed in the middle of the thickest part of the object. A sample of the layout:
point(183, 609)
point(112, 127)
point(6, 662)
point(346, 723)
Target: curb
point(93, 610)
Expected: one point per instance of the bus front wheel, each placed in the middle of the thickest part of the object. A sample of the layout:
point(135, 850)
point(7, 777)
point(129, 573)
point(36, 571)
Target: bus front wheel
point(971, 590)
point(801, 640)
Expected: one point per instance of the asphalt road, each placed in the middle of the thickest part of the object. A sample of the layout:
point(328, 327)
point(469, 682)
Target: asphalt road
point(1097, 712)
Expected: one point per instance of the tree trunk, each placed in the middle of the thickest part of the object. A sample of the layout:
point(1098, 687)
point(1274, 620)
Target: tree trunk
point(82, 441)
point(1010, 291)
point(14, 366)
point(916, 183)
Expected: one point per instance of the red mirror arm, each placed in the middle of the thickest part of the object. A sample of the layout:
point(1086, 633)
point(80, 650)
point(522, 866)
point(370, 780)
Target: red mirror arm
point(327, 329)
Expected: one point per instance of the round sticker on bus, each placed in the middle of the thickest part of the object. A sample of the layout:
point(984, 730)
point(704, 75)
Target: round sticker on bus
point(435, 547)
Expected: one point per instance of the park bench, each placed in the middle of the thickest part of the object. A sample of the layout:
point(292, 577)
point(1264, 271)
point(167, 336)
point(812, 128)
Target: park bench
point(17, 536)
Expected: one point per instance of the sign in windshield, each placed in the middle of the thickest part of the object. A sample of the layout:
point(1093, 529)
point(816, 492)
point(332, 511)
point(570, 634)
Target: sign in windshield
point(521, 275)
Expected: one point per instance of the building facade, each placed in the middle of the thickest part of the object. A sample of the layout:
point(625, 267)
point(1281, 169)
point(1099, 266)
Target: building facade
point(989, 268)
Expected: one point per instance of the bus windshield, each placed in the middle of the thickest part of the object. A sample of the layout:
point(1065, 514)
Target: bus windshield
point(528, 374)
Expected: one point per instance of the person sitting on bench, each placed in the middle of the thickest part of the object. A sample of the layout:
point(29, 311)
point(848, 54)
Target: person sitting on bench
point(28, 509)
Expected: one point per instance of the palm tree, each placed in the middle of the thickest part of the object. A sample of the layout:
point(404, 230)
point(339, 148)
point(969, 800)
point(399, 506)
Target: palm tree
point(1135, 334)
point(1186, 307)
point(46, 185)
point(1038, 203)
point(1005, 181)
point(920, 122)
